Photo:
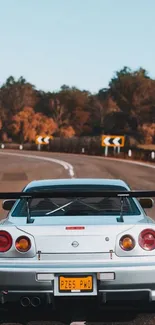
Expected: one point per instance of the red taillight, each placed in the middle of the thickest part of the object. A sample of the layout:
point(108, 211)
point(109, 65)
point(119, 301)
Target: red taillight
point(147, 239)
point(23, 244)
point(5, 241)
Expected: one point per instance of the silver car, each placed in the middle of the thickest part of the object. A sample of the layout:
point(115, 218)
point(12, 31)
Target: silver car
point(77, 244)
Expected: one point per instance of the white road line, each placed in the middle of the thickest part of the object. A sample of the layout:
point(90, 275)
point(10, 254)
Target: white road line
point(134, 162)
point(65, 164)
point(70, 167)
point(139, 163)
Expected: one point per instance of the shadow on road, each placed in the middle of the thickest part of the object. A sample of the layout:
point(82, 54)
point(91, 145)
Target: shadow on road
point(44, 316)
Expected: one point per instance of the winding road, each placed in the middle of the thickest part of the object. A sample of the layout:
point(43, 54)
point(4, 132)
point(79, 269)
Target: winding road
point(17, 168)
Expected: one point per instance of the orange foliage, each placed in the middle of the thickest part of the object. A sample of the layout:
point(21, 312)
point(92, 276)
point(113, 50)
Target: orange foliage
point(67, 132)
point(127, 106)
point(29, 124)
point(148, 131)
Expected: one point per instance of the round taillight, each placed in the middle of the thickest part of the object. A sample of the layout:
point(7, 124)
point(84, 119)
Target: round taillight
point(147, 239)
point(5, 241)
point(127, 243)
point(23, 244)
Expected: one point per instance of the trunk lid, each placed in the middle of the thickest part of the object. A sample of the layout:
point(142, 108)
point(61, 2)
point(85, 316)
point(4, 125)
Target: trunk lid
point(92, 239)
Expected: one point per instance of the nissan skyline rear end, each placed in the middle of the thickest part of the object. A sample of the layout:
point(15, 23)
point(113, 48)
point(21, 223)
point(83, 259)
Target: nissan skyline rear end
point(90, 250)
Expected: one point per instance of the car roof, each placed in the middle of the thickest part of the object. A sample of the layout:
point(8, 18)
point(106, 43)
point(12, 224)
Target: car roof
point(77, 181)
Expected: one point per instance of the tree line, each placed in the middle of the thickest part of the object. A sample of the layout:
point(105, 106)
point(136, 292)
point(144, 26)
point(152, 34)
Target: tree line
point(125, 107)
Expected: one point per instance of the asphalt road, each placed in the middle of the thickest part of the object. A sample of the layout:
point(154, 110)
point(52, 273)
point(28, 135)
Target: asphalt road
point(17, 168)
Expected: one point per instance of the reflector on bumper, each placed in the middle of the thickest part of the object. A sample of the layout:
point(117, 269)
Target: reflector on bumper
point(45, 276)
point(107, 276)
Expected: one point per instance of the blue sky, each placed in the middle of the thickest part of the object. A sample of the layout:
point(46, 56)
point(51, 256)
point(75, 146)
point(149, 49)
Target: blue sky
point(75, 42)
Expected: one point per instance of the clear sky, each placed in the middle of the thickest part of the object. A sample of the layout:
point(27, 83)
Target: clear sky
point(75, 42)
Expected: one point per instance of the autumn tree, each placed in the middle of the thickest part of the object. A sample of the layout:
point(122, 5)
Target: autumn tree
point(76, 106)
point(126, 106)
point(27, 124)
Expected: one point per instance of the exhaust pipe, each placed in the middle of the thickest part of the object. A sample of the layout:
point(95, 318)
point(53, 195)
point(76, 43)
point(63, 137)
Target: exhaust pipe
point(25, 301)
point(35, 301)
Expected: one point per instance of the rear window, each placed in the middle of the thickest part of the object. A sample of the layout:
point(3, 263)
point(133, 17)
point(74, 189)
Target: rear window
point(49, 207)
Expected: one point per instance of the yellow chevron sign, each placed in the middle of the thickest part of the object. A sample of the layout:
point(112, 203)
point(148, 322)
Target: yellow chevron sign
point(43, 139)
point(112, 141)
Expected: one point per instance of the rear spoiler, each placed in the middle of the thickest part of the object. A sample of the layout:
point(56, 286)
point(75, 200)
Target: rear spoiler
point(72, 194)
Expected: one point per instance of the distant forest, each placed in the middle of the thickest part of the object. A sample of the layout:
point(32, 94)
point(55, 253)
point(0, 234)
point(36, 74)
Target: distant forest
point(127, 107)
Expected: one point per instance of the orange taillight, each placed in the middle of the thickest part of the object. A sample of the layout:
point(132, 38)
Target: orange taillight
point(23, 244)
point(127, 243)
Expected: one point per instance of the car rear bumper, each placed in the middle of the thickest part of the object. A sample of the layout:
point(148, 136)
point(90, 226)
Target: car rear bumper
point(115, 282)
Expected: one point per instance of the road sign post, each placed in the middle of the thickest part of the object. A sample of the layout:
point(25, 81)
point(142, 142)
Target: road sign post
point(118, 149)
point(106, 151)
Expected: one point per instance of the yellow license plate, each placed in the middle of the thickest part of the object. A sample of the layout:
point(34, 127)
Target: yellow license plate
point(76, 283)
